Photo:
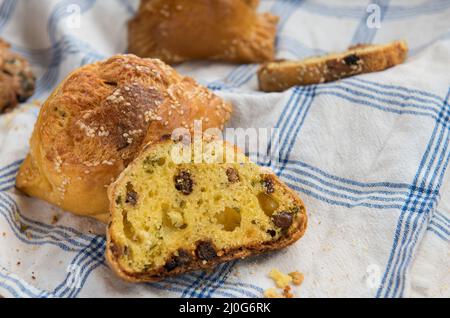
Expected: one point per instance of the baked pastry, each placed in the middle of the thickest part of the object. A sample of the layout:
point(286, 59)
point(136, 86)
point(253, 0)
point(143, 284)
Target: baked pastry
point(17, 81)
point(178, 208)
point(359, 59)
point(227, 30)
point(95, 123)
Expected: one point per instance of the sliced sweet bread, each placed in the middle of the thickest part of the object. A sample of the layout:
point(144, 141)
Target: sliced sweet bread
point(359, 59)
point(170, 216)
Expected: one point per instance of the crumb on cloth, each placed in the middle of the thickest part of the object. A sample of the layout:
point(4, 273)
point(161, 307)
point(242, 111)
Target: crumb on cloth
point(281, 280)
point(55, 219)
point(287, 292)
point(272, 293)
point(297, 278)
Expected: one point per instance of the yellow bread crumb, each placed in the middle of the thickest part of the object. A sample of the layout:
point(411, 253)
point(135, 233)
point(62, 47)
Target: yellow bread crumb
point(176, 218)
point(280, 279)
point(287, 292)
point(297, 278)
point(272, 293)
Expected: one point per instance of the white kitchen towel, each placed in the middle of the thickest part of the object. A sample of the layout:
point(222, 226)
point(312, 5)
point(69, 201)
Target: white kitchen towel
point(368, 155)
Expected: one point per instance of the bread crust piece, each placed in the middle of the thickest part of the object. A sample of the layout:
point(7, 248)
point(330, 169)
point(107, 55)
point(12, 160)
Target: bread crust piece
point(226, 30)
point(17, 81)
point(112, 251)
point(96, 122)
point(359, 59)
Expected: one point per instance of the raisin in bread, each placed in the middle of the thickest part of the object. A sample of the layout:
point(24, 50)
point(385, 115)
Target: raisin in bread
point(359, 59)
point(169, 217)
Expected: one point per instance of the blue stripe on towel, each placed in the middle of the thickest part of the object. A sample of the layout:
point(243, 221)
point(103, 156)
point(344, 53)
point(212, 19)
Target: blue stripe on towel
point(412, 219)
point(363, 33)
point(6, 10)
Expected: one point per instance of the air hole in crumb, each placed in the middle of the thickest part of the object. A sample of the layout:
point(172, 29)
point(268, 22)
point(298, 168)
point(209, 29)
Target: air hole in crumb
point(174, 219)
point(230, 218)
point(128, 228)
point(217, 197)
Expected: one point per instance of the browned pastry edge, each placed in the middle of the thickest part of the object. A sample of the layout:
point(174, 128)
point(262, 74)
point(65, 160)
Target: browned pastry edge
point(112, 253)
point(359, 59)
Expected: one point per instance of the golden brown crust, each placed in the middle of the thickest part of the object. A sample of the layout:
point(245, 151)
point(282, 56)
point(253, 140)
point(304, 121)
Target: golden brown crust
point(227, 30)
point(98, 119)
point(228, 255)
point(17, 81)
point(359, 59)
point(112, 251)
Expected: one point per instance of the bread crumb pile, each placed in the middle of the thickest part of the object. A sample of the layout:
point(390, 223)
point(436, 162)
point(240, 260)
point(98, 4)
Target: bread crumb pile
point(283, 282)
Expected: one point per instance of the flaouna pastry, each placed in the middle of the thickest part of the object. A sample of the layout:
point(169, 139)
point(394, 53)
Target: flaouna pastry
point(178, 30)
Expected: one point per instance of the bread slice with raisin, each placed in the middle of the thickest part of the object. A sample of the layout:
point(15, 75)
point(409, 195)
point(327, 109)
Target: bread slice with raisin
point(172, 215)
point(359, 59)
